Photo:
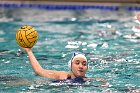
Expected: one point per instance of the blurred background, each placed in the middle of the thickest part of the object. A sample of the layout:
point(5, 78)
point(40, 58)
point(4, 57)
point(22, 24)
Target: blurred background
point(105, 30)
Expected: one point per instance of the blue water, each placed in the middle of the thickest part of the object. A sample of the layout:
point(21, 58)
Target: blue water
point(104, 36)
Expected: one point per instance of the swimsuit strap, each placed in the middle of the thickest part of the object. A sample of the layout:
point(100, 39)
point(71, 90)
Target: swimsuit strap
point(69, 77)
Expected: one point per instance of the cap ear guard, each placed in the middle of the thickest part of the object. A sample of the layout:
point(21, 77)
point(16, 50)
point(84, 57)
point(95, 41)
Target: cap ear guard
point(70, 61)
point(69, 64)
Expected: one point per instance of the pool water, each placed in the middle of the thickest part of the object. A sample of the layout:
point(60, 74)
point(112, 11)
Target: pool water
point(104, 37)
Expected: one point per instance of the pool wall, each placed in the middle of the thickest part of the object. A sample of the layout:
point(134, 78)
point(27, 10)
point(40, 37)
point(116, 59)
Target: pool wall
point(59, 5)
point(78, 1)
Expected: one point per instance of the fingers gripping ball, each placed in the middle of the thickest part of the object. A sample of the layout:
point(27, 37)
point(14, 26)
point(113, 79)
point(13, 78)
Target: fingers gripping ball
point(26, 36)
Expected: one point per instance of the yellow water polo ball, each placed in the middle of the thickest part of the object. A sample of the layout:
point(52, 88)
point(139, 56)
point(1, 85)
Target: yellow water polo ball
point(26, 36)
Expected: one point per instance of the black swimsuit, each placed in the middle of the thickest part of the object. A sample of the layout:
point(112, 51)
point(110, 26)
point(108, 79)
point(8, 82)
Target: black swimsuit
point(70, 80)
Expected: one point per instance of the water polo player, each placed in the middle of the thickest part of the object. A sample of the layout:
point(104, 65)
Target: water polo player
point(78, 65)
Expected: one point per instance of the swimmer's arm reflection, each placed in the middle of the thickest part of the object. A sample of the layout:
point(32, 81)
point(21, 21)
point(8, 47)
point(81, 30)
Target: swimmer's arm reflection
point(43, 72)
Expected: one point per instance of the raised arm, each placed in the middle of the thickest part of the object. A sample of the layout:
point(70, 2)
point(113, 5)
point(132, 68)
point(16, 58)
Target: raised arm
point(43, 72)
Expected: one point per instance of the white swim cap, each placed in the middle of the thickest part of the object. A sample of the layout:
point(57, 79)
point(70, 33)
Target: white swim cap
point(76, 56)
